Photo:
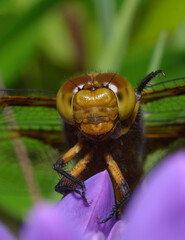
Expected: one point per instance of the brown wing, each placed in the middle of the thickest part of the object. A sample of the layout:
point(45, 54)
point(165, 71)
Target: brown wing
point(164, 113)
point(30, 136)
point(164, 89)
point(31, 116)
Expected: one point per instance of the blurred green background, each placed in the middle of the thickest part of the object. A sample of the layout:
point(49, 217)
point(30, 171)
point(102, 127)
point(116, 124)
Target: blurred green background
point(44, 42)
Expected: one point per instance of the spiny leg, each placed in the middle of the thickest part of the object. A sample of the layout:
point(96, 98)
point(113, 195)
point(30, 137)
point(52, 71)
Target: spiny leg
point(64, 184)
point(81, 165)
point(119, 204)
point(79, 168)
point(62, 161)
point(147, 79)
point(70, 154)
point(122, 192)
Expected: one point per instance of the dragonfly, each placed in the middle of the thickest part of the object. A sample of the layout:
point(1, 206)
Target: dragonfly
point(32, 137)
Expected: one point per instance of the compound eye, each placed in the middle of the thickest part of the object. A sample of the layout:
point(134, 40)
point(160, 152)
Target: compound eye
point(124, 91)
point(64, 103)
point(64, 98)
point(125, 95)
point(126, 101)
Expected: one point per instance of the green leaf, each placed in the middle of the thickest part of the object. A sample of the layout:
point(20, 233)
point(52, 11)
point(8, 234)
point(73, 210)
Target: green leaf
point(159, 16)
point(158, 52)
point(115, 48)
point(18, 39)
point(106, 12)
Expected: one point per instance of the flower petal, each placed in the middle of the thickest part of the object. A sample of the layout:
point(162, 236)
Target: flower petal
point(5, 234)
point(157, 210)
point(95, 236)
point(46, 223)
point(117, 231)
point(100, 192)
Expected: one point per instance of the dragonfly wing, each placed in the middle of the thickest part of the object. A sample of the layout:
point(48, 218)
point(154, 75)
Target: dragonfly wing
point(164, 114)
point(31, 138)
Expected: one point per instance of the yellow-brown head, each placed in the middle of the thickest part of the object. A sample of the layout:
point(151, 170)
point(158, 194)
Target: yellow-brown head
point(96, 102)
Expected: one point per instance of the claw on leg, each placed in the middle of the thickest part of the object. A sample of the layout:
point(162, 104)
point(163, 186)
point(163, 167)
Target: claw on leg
point(70, 180)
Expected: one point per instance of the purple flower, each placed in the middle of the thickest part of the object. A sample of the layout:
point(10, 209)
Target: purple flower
point(5, 233)
point(156, 210)
point(71, 218)
point(44, 222)
point(100, 192)
point(117, 231)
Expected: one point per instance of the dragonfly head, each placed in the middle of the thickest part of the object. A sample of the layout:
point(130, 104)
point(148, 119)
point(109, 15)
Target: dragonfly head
point(96, 102)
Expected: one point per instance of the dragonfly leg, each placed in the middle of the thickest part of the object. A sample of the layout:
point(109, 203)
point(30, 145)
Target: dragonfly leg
point(70, 179)
point(120, 204)
point(63, 189)
point(121, 188)
point(70, 154)
point(147, 79)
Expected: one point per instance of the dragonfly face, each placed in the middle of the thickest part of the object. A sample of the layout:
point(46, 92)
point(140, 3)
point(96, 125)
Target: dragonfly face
point(35, 117)
point(97, 106)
